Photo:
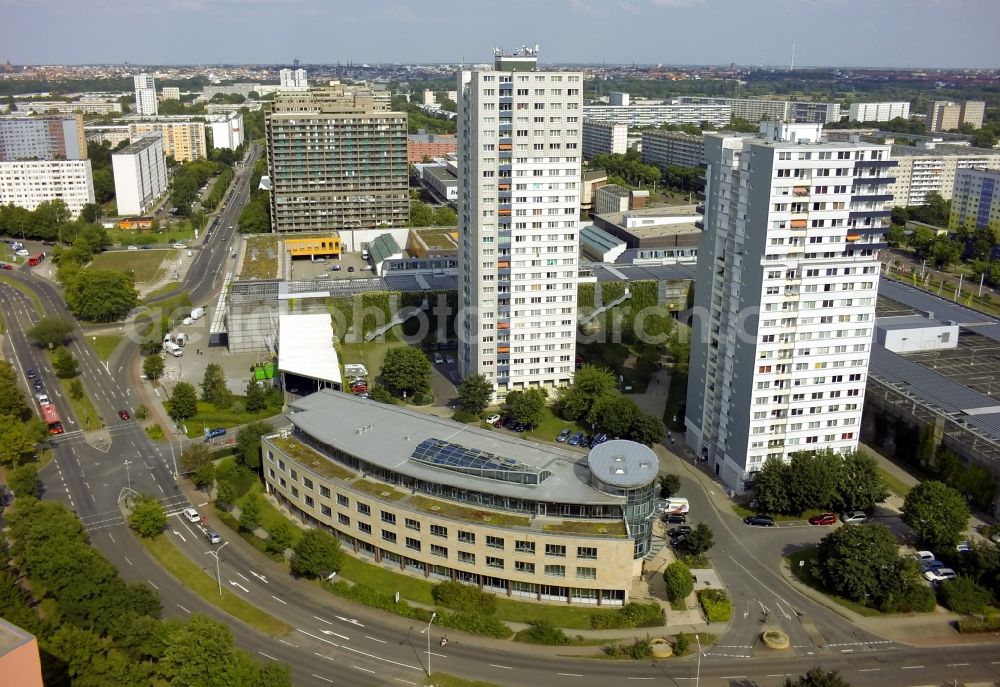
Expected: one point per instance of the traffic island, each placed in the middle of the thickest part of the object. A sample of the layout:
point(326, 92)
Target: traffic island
point(661, 648)
point(775, 639)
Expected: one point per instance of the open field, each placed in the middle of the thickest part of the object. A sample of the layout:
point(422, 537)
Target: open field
point(144, 264)
point(105, 344)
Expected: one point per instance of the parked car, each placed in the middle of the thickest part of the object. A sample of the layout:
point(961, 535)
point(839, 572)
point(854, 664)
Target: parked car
point(520, 427)
point(191, 514)
point(924, 556)
point(675, 531)
point(453, 345)
point(564, 435)
point(123, 414)
point(509, 423)
point(498, 424)
point(438, 359)
point(587, 441)
point(350, 268)
point(940, 575)
point(858, 517)
point(931, 565)
point(759, 521)
point(600, 438)
point(492, 419)
point(963, 547)
point(335, 268)
point(679, 539)
point(674, 518)
point(216, 432)
point(823, 519)
point(133, 247)
point(450, 360)
point(575, 439)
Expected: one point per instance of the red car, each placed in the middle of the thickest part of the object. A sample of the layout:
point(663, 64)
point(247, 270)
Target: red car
point(123, 414)
point(823, 519)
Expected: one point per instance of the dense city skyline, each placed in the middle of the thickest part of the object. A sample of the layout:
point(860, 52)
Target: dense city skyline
point(855, 33)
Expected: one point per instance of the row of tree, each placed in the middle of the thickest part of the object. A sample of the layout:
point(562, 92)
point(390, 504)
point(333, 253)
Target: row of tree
point(20, 428)
point(424, 215)
point(255, 218)
point(819, 479)
point(628, 167)
point(593, 398)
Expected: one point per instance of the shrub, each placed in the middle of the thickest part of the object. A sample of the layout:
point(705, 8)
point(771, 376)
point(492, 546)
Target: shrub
point(630, 616)
point(639, 649)
point(681, 644)
point(677, 577)
point(543, 632)
point(368, 596)
point(486, 625)
point(716, 604)
point(465, 598)
point(979, 624)
point(964, 596)
point(465, 416)
point(913, 598)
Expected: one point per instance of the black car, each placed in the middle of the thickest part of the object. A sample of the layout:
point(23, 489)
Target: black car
point(674, 518)
point(759, 521)
point(587, 441)
point(520, 427)
point(679, 539)
point(31, 373)
point(509, 423)
point(675, 532)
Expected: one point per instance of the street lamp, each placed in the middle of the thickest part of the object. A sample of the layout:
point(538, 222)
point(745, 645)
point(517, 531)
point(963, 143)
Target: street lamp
point(428, 631)
point(697, 677)
point(218, 575)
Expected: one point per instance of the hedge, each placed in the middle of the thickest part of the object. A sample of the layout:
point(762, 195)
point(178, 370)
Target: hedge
point(465, 598)
point(716, 604)
point(486, 625)
point(630, 616)
point(979, 624)
point(639, 649)
point(543, 632)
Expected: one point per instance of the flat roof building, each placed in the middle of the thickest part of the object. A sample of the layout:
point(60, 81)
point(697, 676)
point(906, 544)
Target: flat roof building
point(43, 138)
point(975, 201)
point(660, 235)
point(182, 140)
point(140, 171)
point(20, 662)
point(921, 170)
point(307, 358)
point(420, 147)
point(673, 149)
point(145, 95)
point(944, 115)
point(227, 131)
point(600, 138)
point(26, 183)
point(641, 113)
point(879, 112)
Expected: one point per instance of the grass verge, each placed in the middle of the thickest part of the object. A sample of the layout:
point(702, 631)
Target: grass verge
point(163, 290)
point(802, 562)
point(23, 288)
point(202, 584)
point(83, 407)
point(564, 617)
point(105, 344)
point(445, 680)
point(746, 512)
point(896, 485)
point(210, 417)
point(144, 264)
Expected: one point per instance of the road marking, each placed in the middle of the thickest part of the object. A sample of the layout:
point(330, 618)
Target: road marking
point(288, 643)
point(243, 576)
point(376, 639)
point(321, 620)
point(331, 632)
point(112, 537)
point(237, 584)
point(405, 682)
point(352, 621)
point(152, 584)
point(494, 665)
point(868, 670)
point(127, 560)
point(277, 599)
point(733, 677)
point(953, 665)
point(322, 656)
point(911, 667)
point(363, 653)
point(779, 675)
point(183, 609)
point(267, 656)
point(638, 678)
point(325, 679)
point(259, 577)
point(365, 669)
point(570, 674)
point(179, 535)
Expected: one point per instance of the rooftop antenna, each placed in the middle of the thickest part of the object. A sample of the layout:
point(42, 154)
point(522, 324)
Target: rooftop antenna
point(791, 67)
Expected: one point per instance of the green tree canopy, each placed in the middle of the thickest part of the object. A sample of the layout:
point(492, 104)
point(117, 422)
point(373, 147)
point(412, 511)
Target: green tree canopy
point(194, 456)
point(474, 394)
point(153, 366)
point(248, 444)
point(859, 562)
point(937, 513)
point(699, 541)
point(527, 407)
point(213, 387)
point(256, 399)
point(24, 480)
point(406, 370)
point(50, 332)
point(677, 577)
point(817, 677)
point(317, 554)
point(250, 513)
point(148, 518)
point(101, 295)
point(183, 402)
point(64, 364)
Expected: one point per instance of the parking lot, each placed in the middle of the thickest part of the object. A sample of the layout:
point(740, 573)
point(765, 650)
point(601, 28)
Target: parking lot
point(327, 268)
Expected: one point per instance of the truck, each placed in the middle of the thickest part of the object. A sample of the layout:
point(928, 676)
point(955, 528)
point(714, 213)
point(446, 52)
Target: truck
point(173, 349)
point(197, 313)
point(355, 370)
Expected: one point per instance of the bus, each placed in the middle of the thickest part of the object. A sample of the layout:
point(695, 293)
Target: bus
point(51, 419)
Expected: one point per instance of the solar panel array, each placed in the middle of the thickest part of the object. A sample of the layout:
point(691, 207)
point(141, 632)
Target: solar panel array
point(444, 454)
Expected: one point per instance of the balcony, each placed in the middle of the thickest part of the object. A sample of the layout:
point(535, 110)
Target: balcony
point(874, 164)
point(873, 181)
point(875, 198)
point(800, 191)
point(865, 214)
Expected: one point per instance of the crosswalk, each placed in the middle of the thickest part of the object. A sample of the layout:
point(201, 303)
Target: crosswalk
point(172, 505)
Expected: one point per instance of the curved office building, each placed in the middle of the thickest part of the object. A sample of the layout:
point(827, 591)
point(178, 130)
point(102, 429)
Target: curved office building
point(431, 497)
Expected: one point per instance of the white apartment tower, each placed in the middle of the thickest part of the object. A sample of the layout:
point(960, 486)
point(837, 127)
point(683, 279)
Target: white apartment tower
point(140, 170)
point(293, 80)
point(145, 95)
point(784, 309)
point(519, 150)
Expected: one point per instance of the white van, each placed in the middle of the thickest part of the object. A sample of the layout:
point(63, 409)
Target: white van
point(197, 313)
point(676, 505)
point(173, 349)
point(355, 370)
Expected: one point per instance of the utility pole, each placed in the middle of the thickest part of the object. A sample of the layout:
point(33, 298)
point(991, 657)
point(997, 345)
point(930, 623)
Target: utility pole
point(218, 574)
point(428, 631)
point(697, 677)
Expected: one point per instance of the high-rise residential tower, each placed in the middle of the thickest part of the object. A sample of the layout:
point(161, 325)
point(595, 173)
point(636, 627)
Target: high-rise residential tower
point(785, 304)
point(519, 151)
point(145, 95)
point(43, 138)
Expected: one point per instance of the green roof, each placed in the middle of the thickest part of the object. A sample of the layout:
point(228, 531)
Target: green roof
point(383, 247)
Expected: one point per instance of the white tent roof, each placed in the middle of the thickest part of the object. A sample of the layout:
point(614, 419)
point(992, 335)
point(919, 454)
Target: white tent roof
point(305, 347)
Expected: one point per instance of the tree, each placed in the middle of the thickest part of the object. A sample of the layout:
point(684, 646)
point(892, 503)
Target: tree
point(699, 541)
point(76, 389)
point(527, 407)
point(316, 555)
point(225, 494)
point(213, 387)
point(613, 414)
point(965, 596)
point(647, 429)
point(279, 537)
point(183, 402)
point(153, 366)
point(148, 518)
point(817, 677)
point(50, 332)
point(474, 394)
point(937, 513)
point(250, 513)
point(406, 370)
point(812, 480)
point(24, 480)
point(194, 456)
point(101, 295)
point(255, 400)
point(17, 439)
point(248, 444)
point(64, 364)
point(204, 476)
point(677, 577)
point(669, 485)
point(860, 484)
point(859, 562)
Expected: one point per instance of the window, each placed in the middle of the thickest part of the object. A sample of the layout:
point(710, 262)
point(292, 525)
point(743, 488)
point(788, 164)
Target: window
point(586, 573)
point(364, 509)
point(343, 519)
point(439, 531)
point(325, 510)
point(557, 550)
point(307, 483)
point(522, 567)
point(524, 546)
point(365, 527)
point(412, 524)
point(466, 537)
point(389, 536)
point(586, 552)
point(342, 500)
point(494, 562)
point(555, 571)
point(494, 543)
point(413, 544)
point(466, 557)
point(439, 551)
point(389, 518)
point(324, 492)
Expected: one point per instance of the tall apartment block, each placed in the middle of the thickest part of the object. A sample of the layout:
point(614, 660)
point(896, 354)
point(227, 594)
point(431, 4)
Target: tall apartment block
point(140, 170)
point(293, 80)
point(519, 148)
point(922, 170)
point(43, 138)
point(604, 137)
point(757, 110)
point(145, 95)
point(26, 183)
point(787, 279)
point(673, 149)
point(337, 160)
point(184, 141)
point(944, 115)
point(975, 201)
point(878, 112)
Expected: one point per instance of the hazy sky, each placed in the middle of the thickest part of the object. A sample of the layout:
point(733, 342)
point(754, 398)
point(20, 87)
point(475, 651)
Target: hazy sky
point(929, 33)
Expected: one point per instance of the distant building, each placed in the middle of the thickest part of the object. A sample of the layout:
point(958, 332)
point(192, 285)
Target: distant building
point(293, 80)
point(429, 98)
point(26, 183)
point(878, 112)
point(227, 132)
point(944, 115)
point(140, 174)
point(145, 95)
point(757, 110)
point(441, 180)
point(915, 333)
point(170, 93)
point(673, 149)
point(43, 138)
point(975, 200)
point(660, 235)
point(601, 138)
point(184, 140)
point(83, 106)
point(421, 146)
point(615, 198)
point(20, 663)
point(113, 134)
point(642, 113)
point(922, 170)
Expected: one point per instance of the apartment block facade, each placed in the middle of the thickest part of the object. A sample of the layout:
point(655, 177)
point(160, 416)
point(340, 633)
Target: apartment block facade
point(878, 112)
point(26, 183)
point(145, 95)
point(421, 146)
point(758, 110)
point(788, 276)
point(227, 131)
point(640, 113)
point(140, 170)
point(673, 149)
point(184, 141)
point(44, 138)
point(337, 160)
point(519, 155)
point(944, 115)
point(924, 170)
point(975, 201)
point(601, 138)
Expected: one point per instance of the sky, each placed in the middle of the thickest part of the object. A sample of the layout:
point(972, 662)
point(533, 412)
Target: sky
point(891, 33)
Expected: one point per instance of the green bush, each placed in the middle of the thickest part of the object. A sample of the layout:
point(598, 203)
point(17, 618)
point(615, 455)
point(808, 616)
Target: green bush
point(542, 632)
point(465, 598)
point(639, 649)
point(422, 398)
point(368, 596)
point(979, 624)
point(716, 604)
point(913, 598)
point(681, 643)
point(240, 477)
point(630, 616)
point(964, 596)
point(677, 577)
point(486, 625)
point(465, 416)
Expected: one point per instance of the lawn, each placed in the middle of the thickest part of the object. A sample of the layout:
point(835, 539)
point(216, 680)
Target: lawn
point(269, 515)
point(210, 417)
point(455, 510)
point(746, 512)
point(550, 426)
point(260, 259)
point(563, 616)
point(611, 529)
point(179, 232)
point(804, 574)
point(382, 491)
point(371, 355)
point(201, 583)
point(144, 264)
point(613, 356)
point(896, 485)
point(163, 290)
point(311, 459)
point(105, 344)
